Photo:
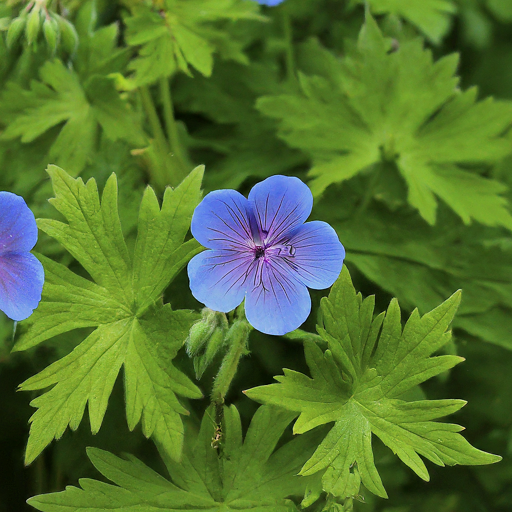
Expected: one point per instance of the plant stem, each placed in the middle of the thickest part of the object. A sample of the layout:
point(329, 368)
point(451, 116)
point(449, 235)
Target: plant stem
point(289, 53)
point(40, 475)
point(165, 172)
point(238, 336)
point(368, 195)
point(170, 123)
point(156, 127)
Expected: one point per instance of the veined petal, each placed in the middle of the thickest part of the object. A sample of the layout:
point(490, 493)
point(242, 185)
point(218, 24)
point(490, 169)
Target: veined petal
point(222, 221)
point(218, 278)
point(318, 255)
point(21, 284)
point(277, 303)
point(18, 228)
point(280, 204)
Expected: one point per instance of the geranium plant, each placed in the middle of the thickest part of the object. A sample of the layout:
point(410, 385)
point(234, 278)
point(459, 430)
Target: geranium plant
point(274, 263)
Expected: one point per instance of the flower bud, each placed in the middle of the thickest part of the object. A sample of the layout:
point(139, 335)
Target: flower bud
point(215, 343)
point(51, 33)
point(198, 336)
point(15, 29)
point(33, 25)
point(206, 338)
point(69, 35)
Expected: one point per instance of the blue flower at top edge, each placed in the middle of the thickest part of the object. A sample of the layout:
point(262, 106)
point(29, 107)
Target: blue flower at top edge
point(21, 273)
point(262, 250)
point(270, 3)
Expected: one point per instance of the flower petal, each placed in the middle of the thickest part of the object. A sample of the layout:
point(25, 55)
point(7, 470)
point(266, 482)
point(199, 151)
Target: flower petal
point(280, 204)
point(21, 284)
point(218, 278)
point(222, 221)
point(318, 254)
point(279, 303)
point(18, 228)
point(270, 3)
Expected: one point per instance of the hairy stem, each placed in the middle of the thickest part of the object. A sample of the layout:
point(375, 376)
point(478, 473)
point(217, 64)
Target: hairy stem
point(238, 336)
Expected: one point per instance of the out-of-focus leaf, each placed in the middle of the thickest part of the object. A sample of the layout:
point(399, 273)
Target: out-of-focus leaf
point(60, 99)
point(399, 107)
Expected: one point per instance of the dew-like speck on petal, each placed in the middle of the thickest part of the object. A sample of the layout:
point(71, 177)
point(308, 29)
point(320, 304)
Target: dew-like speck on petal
point(318, 254)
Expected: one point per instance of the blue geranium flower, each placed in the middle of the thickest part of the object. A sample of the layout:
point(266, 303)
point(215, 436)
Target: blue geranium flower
point(261, 250)
point(270, 3)
point(21, 273)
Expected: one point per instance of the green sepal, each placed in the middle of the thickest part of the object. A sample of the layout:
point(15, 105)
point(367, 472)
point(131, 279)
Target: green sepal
point(15, 30)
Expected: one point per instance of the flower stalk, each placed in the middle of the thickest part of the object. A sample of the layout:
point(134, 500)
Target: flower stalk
point(289, 52)
point(171, 127)
point(237, 338)
point(166, 171)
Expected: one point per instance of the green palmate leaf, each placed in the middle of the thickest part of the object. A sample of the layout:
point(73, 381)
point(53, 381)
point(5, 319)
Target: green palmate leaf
point(123, 304)
point(61, 98)
point(181, 36)
point(247, 475)
point(402, 109)
point(432, 17)
point(357, 384)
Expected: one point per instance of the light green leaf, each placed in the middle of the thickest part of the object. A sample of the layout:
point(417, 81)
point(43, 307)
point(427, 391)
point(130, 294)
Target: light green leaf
point(244, 476)
point(159, 253)
point(132, 328)
point(375, 110)
point(357, 383)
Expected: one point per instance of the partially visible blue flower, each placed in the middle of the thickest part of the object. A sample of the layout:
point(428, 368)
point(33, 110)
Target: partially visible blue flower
point(21, 273)
point(261, 250)
point(270, 3)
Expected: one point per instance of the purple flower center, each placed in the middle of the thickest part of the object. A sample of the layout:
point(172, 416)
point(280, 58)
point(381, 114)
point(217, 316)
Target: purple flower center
point(259, 252)
point(282, 249)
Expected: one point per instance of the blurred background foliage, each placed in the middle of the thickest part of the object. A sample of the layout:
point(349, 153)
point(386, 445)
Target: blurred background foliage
point(102, 87)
